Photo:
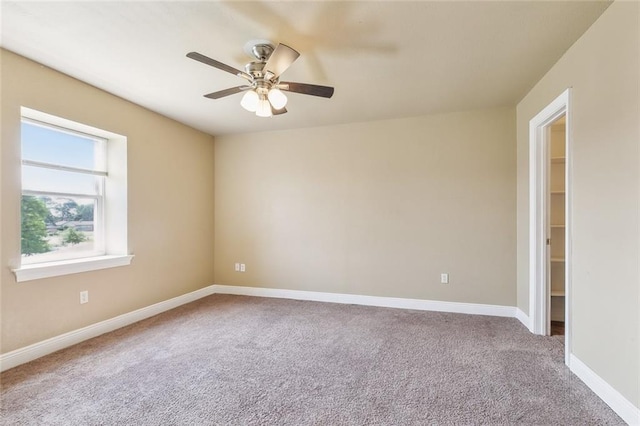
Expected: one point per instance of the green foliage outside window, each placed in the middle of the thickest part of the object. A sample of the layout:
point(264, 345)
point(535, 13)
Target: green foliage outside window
point(34, 231)
point(40, 212)
point(71, 236)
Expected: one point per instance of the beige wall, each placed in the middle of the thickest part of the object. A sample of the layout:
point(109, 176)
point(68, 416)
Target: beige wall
point(602, 67)
point(171, 186)
point(378, 208)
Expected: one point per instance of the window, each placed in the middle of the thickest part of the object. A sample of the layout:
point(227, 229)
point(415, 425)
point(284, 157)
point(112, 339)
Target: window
point(73, 207)
point(63, 177)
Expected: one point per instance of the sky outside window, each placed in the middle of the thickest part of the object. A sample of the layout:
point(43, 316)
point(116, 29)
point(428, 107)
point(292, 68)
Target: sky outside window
point(47, 145)
point(52, 146)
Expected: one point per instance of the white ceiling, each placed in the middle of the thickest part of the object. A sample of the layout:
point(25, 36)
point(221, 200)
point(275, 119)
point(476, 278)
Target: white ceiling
point(386, 59)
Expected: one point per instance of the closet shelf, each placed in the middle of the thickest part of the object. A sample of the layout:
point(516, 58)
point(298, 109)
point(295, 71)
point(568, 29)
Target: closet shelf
point(557, 293)
point(557, 259)
point(558, 160)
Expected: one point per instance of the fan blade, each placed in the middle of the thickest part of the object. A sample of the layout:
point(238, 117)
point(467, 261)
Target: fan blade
point(306, 89)
point(280, 60)
point(227, 92)
point(212, 62)
point(280, 111)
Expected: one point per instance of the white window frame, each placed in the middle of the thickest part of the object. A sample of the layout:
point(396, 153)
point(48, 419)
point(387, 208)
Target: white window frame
point(112, 204)
point(99, 172)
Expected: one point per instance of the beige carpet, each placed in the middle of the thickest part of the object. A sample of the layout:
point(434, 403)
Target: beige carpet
point(233, 360)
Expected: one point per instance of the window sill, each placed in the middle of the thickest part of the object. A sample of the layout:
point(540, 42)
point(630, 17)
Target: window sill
point(66, 267)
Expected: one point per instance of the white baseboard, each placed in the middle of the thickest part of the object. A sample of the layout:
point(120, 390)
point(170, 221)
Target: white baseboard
point(37, 350)
point(386, 302)
point(608, 394)
point(523, 318)
point(624, 408)
point(618, 403)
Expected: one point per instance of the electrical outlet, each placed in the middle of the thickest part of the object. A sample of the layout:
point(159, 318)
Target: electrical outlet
point(84, 297)
point(243, 268)
point(237, 267)
point(444, 278)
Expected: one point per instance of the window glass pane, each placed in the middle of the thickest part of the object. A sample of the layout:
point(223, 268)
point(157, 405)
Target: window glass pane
point(49, 180)
point(49, 145)
point(57, 228)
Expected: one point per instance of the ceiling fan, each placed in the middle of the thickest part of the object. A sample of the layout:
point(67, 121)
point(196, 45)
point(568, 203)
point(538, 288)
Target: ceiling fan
point(264, 89)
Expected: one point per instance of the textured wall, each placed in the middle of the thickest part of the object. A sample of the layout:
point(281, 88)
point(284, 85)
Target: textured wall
point(170, 168)
point(379, 208)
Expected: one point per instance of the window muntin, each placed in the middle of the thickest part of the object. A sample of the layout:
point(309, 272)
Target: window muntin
point(65, 171)
point(43, 179)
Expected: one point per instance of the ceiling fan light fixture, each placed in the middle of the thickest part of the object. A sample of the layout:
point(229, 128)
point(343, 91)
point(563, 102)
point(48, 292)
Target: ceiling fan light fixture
point(250, 101)
point(277, 98)
point(264, 107)
point(263, 90)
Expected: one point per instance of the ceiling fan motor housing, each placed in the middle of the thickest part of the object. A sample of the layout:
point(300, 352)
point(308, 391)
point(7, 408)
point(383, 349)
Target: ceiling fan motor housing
point(255, 69)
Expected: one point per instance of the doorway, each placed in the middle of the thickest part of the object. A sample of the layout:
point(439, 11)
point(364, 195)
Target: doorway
point(557, 229)
point(549, 220)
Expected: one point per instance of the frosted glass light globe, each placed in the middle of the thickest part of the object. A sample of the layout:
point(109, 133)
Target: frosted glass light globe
point(250, 101)
point(277, 98)
point(264, 108)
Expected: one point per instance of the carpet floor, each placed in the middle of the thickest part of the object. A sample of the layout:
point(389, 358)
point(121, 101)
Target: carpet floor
point(236, 360)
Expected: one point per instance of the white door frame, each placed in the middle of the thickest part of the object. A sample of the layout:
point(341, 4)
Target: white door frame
point(539, 226)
